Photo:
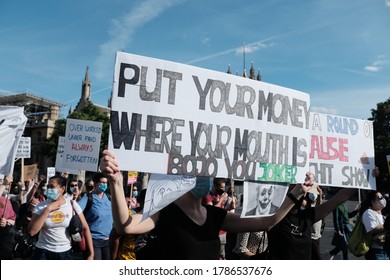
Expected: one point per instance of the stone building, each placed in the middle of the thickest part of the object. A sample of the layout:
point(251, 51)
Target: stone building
point(42, 115)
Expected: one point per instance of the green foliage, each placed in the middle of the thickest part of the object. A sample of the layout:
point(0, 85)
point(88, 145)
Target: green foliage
point(89, 113)
point(381, 119)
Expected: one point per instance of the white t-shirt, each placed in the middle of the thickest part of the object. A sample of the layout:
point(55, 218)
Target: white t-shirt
point(371, 219)
point(53, 235)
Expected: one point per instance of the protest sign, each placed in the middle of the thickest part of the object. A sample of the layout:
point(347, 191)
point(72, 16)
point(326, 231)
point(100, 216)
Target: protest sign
point(51, 171)
point(164, 189)
point(82, 144)
point(60, 158)
point(170, 118)
point(30, 172)
point(342, 151)
point(262, 199)
point(24, 148)
point(12, 124)
point(388, 162)
point(132, 177)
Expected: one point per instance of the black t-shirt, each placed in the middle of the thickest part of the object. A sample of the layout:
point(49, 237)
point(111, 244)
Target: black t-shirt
point(182, 239)
point(290, 238)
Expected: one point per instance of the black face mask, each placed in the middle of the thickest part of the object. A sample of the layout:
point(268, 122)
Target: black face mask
point(219, 191)
point(15, 191)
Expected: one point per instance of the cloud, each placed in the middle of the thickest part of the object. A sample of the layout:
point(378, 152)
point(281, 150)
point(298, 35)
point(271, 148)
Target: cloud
point(205, 40)
point(387, 3)
point(372, 68)
point(239, 50)
point(324, 110)
point(122, 30)
point(250, 48)
point(377, 65)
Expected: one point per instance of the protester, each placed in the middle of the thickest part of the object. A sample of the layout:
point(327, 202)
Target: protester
point(97, 210)
point(218, 198)
point(187, 229)
point(342, 230)
point(373, 221)
point(290, 239)
point(7, 222)
point(51, 219)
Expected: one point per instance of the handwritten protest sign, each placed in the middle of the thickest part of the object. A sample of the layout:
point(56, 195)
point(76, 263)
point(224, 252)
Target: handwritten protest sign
point(164, 189)
point(60, 158)
point(170, 118)
point(24, 148)
point(82, 144)
point(342, 151)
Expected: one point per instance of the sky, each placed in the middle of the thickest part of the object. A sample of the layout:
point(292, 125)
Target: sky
point(336, 51)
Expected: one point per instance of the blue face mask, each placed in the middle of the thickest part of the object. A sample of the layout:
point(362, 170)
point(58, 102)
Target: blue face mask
point(71, 189)
point(135, 193)
point(103, 187)
point(203, 187)
point(52, 194)
point(5, 192)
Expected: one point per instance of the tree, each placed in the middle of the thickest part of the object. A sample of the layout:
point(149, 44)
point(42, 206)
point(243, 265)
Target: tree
point(90, 113)
point(381, 122)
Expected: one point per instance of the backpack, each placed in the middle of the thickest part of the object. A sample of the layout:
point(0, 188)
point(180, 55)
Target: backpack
point(90, 202)
point(359, 241)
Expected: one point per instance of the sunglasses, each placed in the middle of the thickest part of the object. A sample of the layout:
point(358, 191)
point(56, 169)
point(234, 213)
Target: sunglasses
point(379, 197)
point(73, 185)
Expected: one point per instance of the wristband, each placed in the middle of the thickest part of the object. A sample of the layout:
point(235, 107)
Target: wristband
point(293, 198)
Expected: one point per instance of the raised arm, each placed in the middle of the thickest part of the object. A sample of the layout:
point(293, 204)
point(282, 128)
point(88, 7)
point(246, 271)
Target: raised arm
point(123, 222)
point(325, 208)
point(234, 223)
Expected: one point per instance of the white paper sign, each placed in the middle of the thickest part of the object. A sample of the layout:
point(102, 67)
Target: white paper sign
point(51, 171)
point(164, 189)
point(170, 118)
point(60, 158)
point(342, 151)
point(82, 144)
point(24, 148)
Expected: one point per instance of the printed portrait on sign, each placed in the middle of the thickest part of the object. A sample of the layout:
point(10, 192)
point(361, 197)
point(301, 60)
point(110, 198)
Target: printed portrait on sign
point(262, 199)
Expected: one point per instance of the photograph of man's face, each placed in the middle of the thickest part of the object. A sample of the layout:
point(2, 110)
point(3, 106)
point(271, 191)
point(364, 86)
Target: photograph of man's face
point(262, 199)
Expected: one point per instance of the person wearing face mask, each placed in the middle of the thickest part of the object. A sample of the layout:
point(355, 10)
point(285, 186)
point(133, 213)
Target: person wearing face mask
point(8, 217)
point(186, 228)
point(97, 210)
point(373, 220)
point(51, 218)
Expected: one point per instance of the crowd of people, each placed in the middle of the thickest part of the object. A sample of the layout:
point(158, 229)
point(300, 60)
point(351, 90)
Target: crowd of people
point(201, 224)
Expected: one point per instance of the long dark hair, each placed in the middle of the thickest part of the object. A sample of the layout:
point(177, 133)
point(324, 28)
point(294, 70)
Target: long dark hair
point(366, 204)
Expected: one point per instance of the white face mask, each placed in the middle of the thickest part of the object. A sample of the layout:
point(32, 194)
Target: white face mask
point(382, 202)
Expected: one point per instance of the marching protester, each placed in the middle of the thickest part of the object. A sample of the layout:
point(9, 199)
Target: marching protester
point(373, 220)
point(186, 228)
point(96, 206)
point(51, 219)
point(8, 218)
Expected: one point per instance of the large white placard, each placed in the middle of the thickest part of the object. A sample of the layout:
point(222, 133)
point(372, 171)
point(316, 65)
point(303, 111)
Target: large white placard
point(342, 151)
point(170, 118)
point(82, 144)
point(12, 124)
